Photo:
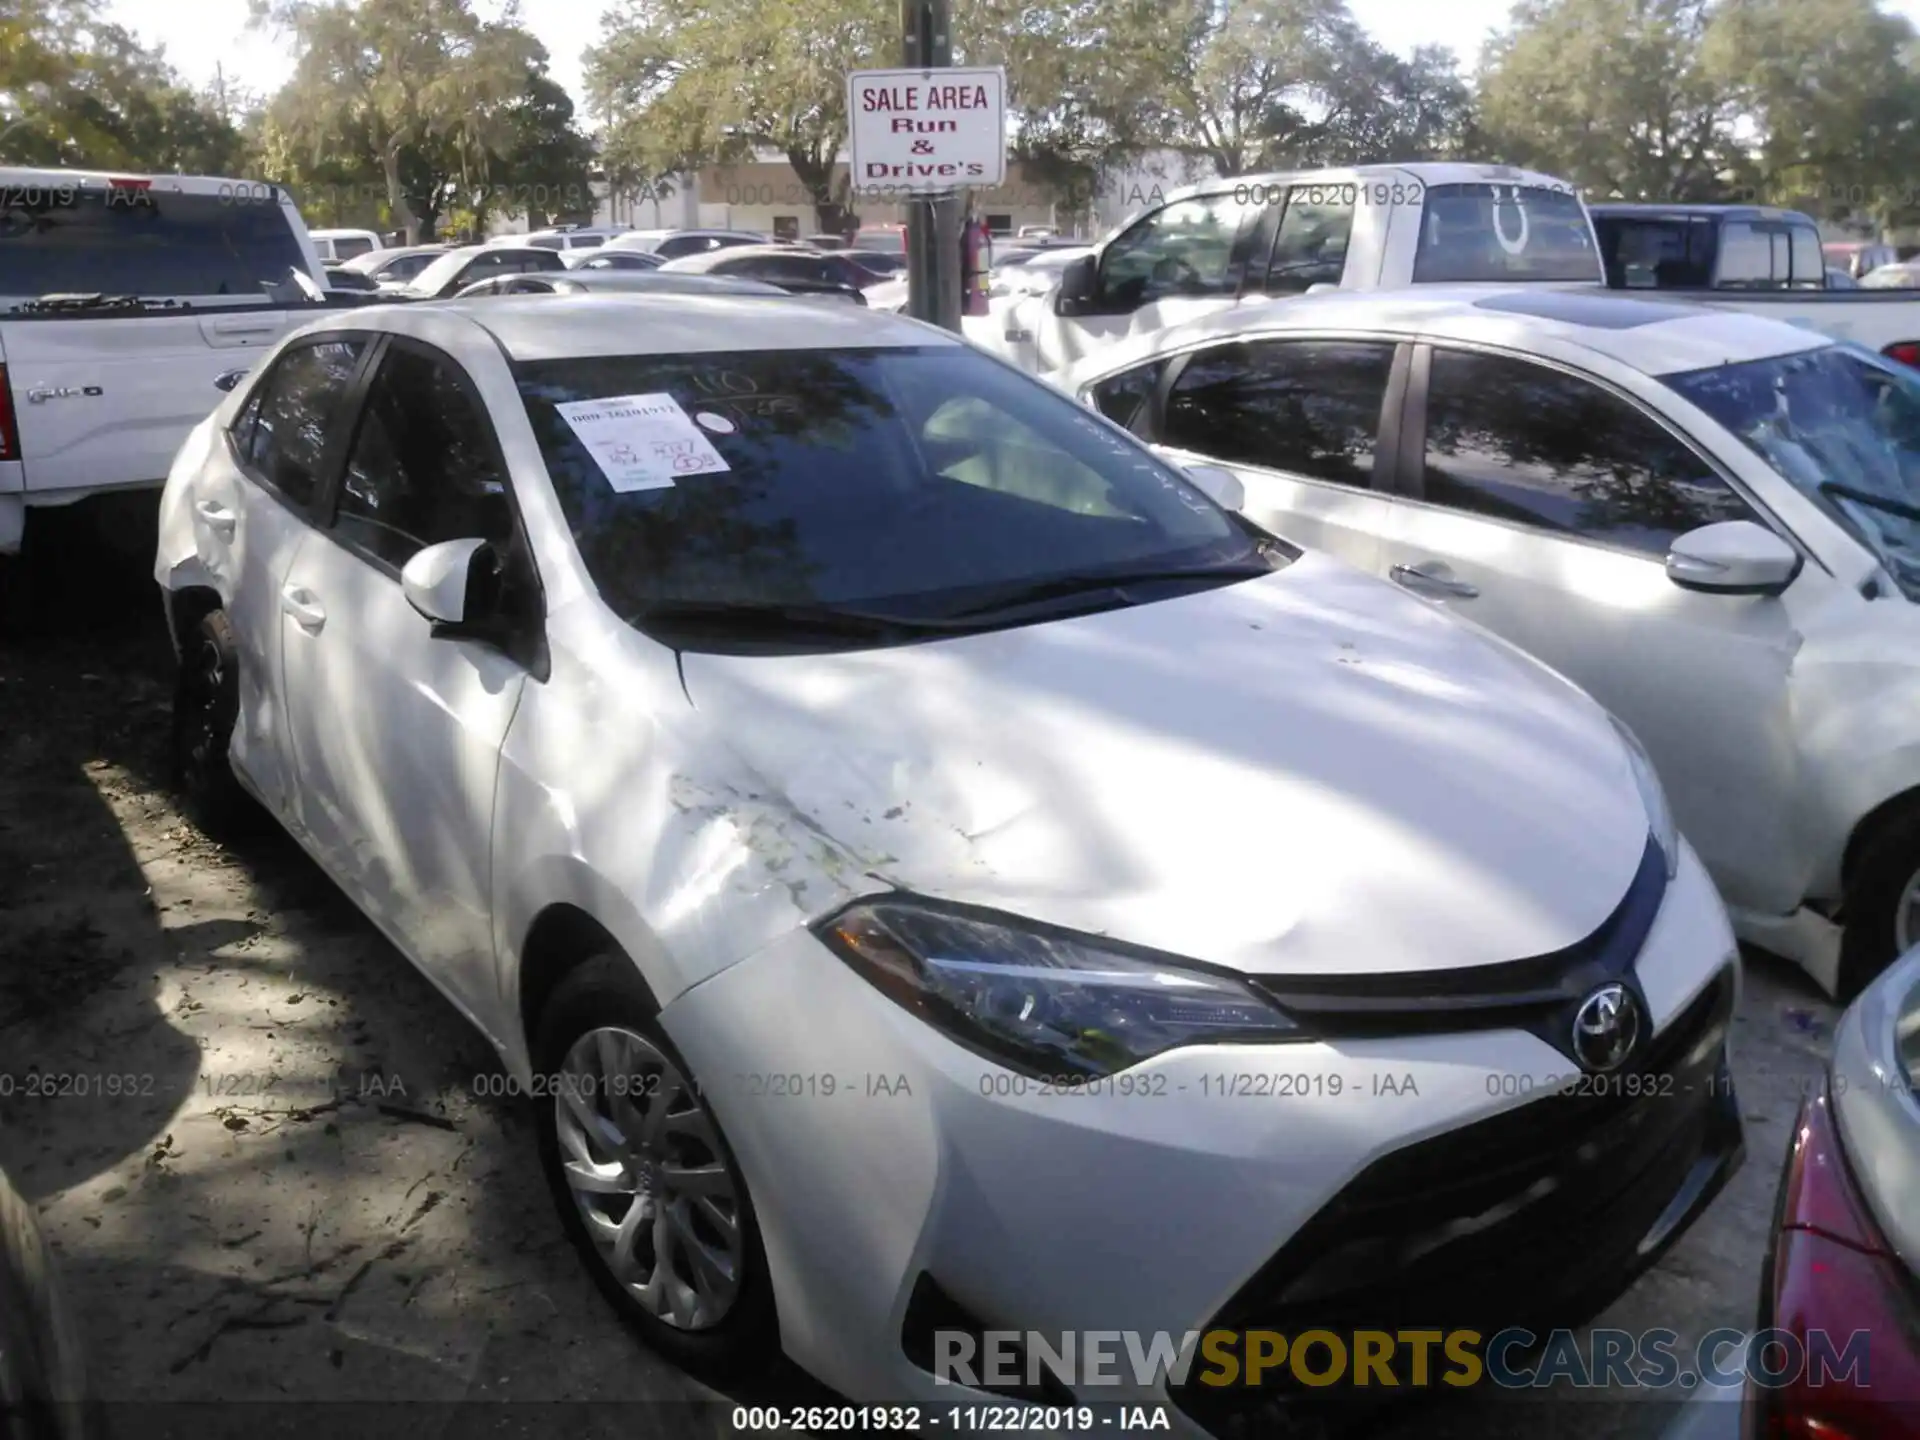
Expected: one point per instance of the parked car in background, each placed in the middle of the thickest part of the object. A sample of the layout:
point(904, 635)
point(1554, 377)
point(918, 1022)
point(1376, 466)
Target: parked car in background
point(344, 244)
point(1844, 1257)
point(1754, 258)
point(566, 238)
point(610, 258)
point(888, 239)
point(1223, 243)
point(457, 269)
point(880, 264)
point(816, 274)
point(1904, 275)
point(825, 242)
point(1709, 521)
point(673, 244)
point(1857, 257)
point(122, 299)
point(43, 1370)
point(393, 268)
point(340, 277)
point(742, 687)
point(618, 282)
point(1841, 280)
point(1032, 274)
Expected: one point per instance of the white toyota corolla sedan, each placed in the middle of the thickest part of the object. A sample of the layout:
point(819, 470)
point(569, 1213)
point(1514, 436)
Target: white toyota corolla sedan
point(934, 864)
point(1710, 522)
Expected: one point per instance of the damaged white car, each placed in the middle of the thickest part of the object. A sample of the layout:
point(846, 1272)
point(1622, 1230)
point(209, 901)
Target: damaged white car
point(922, 850)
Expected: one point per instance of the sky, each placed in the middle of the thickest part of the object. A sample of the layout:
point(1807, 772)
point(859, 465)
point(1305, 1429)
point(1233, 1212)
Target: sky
point(202, 36)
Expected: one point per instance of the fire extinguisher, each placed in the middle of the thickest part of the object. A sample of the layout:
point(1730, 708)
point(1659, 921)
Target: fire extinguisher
point(973, 267)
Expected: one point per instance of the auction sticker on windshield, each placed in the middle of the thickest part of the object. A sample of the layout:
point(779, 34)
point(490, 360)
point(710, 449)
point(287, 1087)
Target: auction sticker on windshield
point(641, 442)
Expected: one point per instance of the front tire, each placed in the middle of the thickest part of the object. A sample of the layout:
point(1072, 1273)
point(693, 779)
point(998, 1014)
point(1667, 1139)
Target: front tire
point(206, 704)
point(647, 1188)
point(1882, 903)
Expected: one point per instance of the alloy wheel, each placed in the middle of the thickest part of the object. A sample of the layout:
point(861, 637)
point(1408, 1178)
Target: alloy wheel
point(644, 1164)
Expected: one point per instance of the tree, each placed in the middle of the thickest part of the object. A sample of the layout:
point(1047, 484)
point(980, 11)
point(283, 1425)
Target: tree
point(688, 83)
point(1081, 78)
point(1373, 107)
point(1831, 89)
point(1612, 94)
point(77, 90)
point(405, 82)
point(542, 164)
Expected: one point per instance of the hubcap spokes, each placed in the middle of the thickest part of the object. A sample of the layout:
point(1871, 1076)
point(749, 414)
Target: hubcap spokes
point(644, 1165)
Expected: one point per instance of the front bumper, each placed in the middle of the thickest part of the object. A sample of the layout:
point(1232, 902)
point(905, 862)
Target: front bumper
point(1212, 1190)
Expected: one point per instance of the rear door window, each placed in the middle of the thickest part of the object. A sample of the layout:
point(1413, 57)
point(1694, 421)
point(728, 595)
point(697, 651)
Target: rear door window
point(1312, 245)
point(1306, 407)
point(65, 239)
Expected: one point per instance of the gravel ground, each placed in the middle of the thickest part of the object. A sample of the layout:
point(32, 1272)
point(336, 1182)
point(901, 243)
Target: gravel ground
point(271, 1156)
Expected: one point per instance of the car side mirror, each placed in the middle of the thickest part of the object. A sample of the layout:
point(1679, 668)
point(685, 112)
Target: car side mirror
point(1079, 285)
point(456, 585)
point(1733, 557)
point(1223, 487)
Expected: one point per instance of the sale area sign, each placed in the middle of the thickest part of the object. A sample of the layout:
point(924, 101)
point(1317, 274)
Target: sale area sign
point(927, 130)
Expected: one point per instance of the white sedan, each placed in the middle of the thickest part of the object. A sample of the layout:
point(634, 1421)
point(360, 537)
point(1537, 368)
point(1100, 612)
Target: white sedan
point(923, 853)
point(1709, 521)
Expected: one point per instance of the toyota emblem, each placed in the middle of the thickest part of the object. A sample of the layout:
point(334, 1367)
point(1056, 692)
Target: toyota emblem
point(1606, 1028)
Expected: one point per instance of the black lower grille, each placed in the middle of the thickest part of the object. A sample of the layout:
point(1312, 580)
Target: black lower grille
point(1536, 1217)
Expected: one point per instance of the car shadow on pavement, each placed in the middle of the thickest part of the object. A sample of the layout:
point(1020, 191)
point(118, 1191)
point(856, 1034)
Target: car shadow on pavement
point(287, 1182)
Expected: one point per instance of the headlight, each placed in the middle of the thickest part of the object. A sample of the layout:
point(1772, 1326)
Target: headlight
point(1041, 1001)
point(1654, 796)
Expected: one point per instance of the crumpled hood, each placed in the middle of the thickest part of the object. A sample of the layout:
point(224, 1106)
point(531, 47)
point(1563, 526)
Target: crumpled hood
point(1310, 773)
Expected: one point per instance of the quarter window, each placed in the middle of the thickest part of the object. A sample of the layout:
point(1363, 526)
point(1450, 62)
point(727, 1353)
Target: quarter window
point(1517, 441)
point(1308, 407)
point(282, 434)
point(1122, 397)
point(421, 470)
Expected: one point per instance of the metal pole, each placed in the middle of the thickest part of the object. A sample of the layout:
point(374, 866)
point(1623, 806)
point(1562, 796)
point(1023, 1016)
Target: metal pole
point(933, 224)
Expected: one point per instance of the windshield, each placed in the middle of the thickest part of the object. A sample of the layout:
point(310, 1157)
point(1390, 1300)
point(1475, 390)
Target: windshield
point(65, 239)
point(915, 482)
point(1474, 233)
point(1843, 425)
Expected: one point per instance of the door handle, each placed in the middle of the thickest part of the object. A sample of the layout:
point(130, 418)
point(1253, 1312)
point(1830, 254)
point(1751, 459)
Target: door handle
point(219, 518)
point(1437, 580)
point(304, 608)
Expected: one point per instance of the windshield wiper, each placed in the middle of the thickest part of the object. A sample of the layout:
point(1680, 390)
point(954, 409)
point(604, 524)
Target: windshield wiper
point(779, 618)
point(1866, 497)
point(1112, 582)
point(50, 304)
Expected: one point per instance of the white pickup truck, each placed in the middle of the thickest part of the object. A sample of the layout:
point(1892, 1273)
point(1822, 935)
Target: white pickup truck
point(1227, 242)
point(1224, 242)
point(125, 303)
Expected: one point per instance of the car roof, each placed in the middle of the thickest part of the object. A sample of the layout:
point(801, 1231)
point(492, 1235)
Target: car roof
point(1655, 337)
point(653, 282)
point(694, 264)
point(560, 327)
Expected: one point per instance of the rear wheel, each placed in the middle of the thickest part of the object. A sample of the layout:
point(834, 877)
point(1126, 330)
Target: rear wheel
point(206, 703)
point(1882, 905)
point(646, 1186)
